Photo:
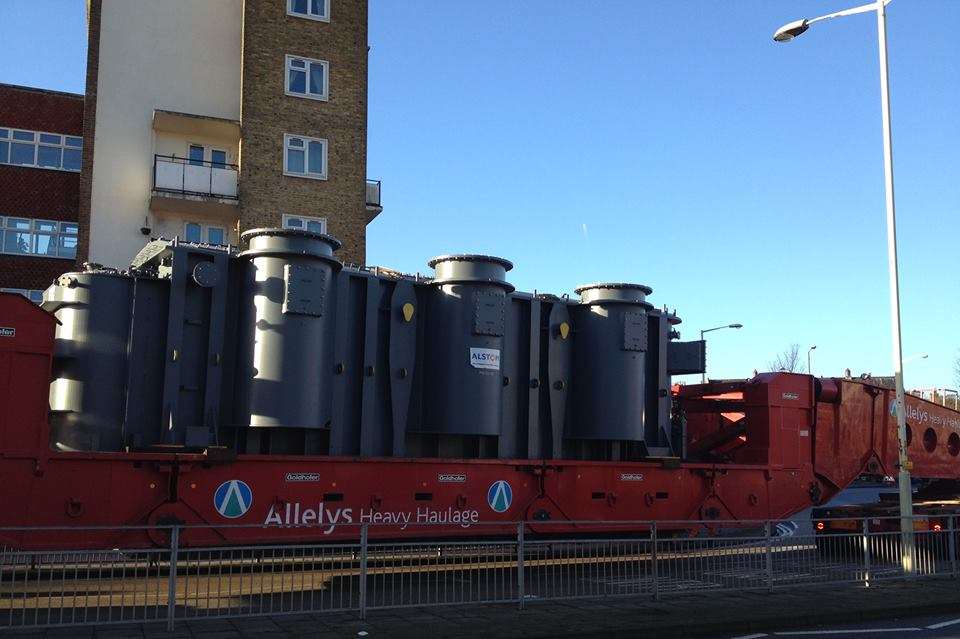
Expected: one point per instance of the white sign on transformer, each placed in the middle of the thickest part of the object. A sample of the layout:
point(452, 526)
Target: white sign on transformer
point(486, 358)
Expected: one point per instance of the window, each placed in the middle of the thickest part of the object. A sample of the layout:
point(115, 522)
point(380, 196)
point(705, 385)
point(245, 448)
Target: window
point(199, 155)
point(42, 150)
point(307, 78)
point(45, 238)
point(218, 158)
point(32, 294)
point(304, 223)
point(312, 9)
point(305, 157)
point(196, 155)
point(216, 235)
point(195, 233)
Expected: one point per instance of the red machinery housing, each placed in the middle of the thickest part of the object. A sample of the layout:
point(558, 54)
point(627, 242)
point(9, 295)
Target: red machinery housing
point(763, 448)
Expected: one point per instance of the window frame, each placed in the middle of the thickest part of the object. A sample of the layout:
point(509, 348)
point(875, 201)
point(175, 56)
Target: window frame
point(323, 97)
point(306, 158)
point(309, 16)
point(207, 159)
point(26, 292)
point(223, 230)
point(205, 233)
point(61, 229)
point(7, 138)
point(286, 217)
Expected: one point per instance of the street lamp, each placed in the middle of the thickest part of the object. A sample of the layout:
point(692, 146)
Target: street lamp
point(809, 351)
point(703, 377)
point(917, 356)
point(784, 34)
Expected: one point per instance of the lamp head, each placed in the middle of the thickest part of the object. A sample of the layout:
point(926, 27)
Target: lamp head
point(791, 30)
point(813, 348)
point(735, 326)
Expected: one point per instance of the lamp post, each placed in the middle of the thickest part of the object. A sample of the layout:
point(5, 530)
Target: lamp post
point(784, 34)
point(703, 377)
point(809, 351)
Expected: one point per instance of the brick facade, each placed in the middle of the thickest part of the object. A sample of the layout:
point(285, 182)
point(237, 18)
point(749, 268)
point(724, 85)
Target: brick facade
point(41, 110)
point(267, 114)
point(38, 193)
point(94, 11)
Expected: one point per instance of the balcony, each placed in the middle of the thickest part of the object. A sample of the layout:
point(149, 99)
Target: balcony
point(192, 125)
point(193, 186)
point(374, 207)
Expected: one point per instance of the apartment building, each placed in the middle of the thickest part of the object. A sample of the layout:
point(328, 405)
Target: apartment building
point(205, 118)
point(40, 158)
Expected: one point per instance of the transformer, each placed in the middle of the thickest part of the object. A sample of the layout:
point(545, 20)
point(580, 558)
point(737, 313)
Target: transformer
point(279, 349)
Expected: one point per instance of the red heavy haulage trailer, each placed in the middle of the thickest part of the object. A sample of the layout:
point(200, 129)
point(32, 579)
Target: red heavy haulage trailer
point(764, 448)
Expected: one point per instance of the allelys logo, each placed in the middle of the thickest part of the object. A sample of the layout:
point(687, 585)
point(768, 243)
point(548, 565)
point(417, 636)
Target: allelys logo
point(499, 496)
point(233, 499)
point(910, 413)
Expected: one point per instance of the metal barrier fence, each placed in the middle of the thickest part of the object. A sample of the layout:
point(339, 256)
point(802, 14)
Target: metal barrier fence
point(179, 582)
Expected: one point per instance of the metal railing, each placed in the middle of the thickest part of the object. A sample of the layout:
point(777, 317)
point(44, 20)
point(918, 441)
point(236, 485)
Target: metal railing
point(176, 581)
point(201, 178)
point(949, 397)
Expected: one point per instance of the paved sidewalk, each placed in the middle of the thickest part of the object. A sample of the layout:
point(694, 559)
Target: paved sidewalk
point(703, 613)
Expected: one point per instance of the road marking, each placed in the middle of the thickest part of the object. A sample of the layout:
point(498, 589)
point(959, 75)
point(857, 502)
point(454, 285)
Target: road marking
point(846, 632)
point(756, 636)
point(943, 624)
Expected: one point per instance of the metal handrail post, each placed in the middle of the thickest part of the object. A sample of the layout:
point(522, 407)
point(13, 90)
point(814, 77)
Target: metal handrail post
point(768, 551)
point(172, 577)
point(952, 544)
point(654, 569)
point(363, 571)
point(865, 540)
point(520, 552)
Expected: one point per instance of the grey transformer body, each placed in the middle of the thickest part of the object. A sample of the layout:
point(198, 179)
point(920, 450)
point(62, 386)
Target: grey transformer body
point(281, 350)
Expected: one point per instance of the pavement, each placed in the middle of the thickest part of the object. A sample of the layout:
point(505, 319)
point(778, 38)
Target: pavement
point(710, 614)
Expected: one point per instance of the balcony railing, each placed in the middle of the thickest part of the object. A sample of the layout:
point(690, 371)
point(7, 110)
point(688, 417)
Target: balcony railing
point(202, 178)
point(373, 193)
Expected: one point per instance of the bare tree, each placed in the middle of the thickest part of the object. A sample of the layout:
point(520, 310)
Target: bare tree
point(788, 361)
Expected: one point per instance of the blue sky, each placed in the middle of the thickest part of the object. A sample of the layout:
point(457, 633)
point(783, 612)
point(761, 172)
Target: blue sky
point(668, 143)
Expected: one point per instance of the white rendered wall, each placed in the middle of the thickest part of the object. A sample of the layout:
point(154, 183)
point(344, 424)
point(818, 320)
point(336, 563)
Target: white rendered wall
point(174, 55)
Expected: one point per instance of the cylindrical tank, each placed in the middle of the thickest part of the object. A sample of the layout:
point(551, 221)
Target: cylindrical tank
point(609, 358)
point(87, 398)
point(463, 379)
point(285, 361)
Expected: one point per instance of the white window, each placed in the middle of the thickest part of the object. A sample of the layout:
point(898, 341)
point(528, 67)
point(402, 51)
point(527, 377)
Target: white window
point(44, 238)
point(305, 223)
point(32, 294)
point(312, 9)
point(194, 232)
point(41, 150)
point(305, 157)
point(307, 78)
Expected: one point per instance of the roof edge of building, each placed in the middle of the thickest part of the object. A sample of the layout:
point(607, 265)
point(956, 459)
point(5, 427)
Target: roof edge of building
point(19, 87)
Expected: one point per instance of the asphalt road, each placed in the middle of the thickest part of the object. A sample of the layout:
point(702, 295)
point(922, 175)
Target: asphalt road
point(894, 628)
